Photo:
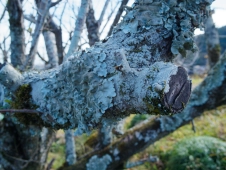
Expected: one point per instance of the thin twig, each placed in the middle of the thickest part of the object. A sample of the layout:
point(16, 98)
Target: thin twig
point(55, 3)
point(3, 14)
point(108, 19)
point(103, 12)
point(39, 55)
point(193, 126)
point(118, 15)
point(20, 111)
point(50, 164)
point(61, 15)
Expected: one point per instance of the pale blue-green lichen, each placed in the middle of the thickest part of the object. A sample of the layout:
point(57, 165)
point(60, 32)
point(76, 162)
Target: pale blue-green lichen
point(98, 163)
point(79, 86)
point(178, 17)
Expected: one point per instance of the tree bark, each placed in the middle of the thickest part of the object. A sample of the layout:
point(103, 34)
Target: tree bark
point(16, 21)
point(92, 26)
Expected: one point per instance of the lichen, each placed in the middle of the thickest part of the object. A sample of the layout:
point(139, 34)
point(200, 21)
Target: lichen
point(97, 163)
point(178, 17)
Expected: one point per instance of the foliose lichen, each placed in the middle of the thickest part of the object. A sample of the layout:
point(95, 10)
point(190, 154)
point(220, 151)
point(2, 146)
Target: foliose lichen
point(179, 18)
point(96, 163)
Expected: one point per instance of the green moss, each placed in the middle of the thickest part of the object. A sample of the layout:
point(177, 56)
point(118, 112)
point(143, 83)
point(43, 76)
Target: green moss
point(137, 119)
point(198, 153)
point(23, 100)
point(214, 53)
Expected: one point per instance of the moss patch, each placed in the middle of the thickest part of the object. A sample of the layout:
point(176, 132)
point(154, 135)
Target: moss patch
point(23, 100)
point(198, 153)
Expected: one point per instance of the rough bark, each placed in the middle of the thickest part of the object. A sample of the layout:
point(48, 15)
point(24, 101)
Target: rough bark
point(16, 21)
point(141, 136)
point(23, 146)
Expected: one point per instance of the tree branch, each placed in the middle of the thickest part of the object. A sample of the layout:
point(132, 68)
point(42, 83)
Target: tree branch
point(43, 9)
point(16, 21)
point(118, 15)
point(103, 12)
point(78, 27)
point(124, 74)
point(141, 136)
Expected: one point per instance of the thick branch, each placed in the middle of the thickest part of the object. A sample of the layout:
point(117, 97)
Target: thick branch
point(208, 95)
point(9, 77)
point(125, 74)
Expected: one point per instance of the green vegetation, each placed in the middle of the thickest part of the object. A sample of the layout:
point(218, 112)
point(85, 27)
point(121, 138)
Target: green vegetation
point(197, 153)
point(211, 123)
point(136, 119)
